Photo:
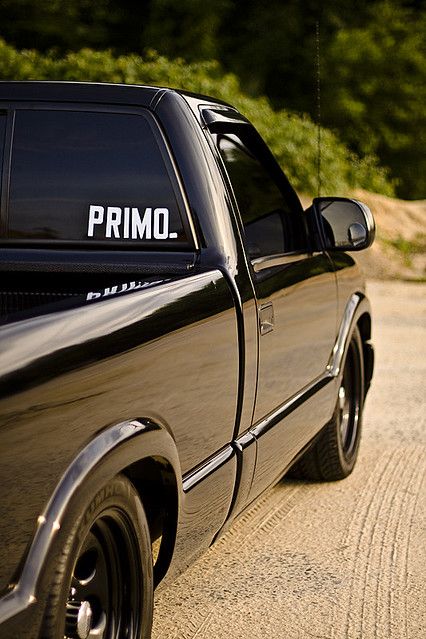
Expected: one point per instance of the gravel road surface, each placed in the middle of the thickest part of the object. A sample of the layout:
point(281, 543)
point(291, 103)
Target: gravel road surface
point(336, 560)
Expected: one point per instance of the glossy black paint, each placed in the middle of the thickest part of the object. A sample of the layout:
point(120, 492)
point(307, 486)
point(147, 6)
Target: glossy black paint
point(344, 224)
point(182, 365)
point(303, 295)
point(105, 363)
point(221, 235)
point(117, 447)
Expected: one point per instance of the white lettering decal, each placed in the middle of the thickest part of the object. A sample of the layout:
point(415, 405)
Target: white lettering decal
point(110, 291)
point(161, 224)
point(128, 223)
point(92, 296)
point(141, 227)
point(96, 216)
point(124, 288)
point(113, 221)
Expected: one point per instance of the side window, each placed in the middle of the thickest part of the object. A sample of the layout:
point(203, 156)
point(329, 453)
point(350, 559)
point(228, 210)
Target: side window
point(271, 225)
point(85, 177)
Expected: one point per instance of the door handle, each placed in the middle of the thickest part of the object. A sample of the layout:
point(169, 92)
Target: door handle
point(266, 318)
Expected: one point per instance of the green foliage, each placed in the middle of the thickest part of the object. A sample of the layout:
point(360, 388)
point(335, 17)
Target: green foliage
point(373, 71)
point(63, 24)
point(188, 28)
point(408, 248)
point(292, 138)
point(372, 59)
point(375, 91)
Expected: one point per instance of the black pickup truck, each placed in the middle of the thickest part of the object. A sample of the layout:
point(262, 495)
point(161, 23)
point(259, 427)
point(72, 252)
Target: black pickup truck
point(176, 334)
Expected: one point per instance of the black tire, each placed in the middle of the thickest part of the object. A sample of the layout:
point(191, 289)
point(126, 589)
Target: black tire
point(334, 452)
point(103, 569)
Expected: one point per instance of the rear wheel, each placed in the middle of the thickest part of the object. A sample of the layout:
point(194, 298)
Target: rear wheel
point(103, 585)
point(334, 452)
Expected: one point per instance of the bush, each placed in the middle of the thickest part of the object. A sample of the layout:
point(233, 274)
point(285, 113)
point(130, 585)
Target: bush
point(292, 138)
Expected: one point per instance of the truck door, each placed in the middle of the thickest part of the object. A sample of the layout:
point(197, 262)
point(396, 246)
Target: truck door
point(296, 300)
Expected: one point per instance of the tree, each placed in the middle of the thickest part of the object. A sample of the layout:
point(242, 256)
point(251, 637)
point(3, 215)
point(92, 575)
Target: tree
point(374, 91)
point(188, 29)
point(372, 57)
point(58, 24)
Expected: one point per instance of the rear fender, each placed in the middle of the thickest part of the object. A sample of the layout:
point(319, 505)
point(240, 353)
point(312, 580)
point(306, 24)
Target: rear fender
point(357, 313)
point(357, 306)
point(109, 453)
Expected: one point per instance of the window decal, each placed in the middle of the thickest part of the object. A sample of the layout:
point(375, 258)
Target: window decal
point(124, 223)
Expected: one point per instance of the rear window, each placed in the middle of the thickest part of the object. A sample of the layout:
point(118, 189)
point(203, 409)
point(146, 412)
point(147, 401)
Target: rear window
point(92, 178)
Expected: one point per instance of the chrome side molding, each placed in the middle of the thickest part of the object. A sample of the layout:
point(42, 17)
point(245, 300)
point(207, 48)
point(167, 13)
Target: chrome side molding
point(336, 359)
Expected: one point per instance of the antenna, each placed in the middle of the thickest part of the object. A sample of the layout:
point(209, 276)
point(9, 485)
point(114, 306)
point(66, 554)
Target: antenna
point(318, 69)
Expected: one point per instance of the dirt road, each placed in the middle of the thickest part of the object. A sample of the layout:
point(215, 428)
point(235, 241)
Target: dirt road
point(342, 560)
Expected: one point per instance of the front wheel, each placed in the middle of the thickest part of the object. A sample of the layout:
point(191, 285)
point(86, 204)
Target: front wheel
point(334, 452)
point(103, 585)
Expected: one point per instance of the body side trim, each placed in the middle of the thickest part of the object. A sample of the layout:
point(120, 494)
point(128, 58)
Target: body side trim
point(332, 370)
point(290, 405)
point(194, 477)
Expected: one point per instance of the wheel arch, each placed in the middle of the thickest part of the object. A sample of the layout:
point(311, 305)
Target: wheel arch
point(364, 327)
point(357, 313)
point(141, 449)
point(156, 484)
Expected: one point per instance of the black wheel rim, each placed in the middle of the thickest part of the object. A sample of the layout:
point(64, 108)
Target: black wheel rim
point(348, 403)
point(106, 581)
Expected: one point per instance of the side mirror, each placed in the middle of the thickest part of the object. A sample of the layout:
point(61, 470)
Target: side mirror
point(343, 224)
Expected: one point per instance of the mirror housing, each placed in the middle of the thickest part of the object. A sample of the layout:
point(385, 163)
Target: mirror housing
point(342, 224)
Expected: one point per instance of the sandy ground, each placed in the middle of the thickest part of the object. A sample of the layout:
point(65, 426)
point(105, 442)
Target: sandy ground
point(396, 220)
point(337, 560)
